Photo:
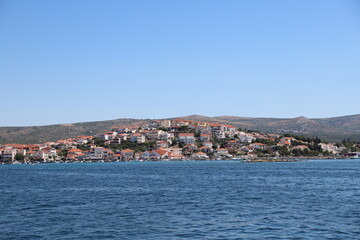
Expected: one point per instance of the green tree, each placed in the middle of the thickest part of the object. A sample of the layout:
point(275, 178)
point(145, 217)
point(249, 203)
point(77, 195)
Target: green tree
point(63, 153)
point(19, 157)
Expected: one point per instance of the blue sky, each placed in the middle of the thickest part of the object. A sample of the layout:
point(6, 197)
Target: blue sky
point(73, 61)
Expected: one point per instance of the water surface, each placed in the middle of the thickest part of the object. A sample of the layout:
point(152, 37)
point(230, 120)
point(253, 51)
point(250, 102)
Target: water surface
point(181, 200)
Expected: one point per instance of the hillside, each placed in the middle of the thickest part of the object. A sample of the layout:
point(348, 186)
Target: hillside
point(330, 129)
point(41, 134)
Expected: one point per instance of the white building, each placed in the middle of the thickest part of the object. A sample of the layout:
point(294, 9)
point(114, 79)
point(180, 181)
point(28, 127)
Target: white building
point(137, 138)
point(187, 138)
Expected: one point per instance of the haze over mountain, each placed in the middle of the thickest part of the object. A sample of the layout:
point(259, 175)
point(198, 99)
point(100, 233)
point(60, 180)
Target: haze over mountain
point(330, 129)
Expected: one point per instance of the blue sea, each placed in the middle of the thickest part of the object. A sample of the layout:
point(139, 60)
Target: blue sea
point(317, 199)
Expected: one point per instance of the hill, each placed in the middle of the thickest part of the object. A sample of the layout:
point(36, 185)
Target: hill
point(41, 134)
point(331, 129)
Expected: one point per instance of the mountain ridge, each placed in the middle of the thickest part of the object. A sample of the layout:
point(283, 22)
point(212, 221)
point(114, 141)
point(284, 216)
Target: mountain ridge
point(331, 129)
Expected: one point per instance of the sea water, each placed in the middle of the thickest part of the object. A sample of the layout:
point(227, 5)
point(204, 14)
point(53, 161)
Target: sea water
point(317, 199)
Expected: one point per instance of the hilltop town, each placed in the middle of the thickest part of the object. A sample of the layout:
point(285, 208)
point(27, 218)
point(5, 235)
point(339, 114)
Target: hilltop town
point(178, 139)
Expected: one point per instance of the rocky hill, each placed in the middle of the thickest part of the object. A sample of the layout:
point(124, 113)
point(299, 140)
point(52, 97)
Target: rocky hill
point(330, 129)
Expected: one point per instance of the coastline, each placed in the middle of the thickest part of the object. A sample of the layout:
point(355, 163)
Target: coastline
point(242, 160)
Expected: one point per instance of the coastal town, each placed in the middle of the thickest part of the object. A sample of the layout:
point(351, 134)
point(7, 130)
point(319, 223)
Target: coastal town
point(178, 139)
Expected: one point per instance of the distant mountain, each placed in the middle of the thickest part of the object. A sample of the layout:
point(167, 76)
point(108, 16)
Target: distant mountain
point(330, 129)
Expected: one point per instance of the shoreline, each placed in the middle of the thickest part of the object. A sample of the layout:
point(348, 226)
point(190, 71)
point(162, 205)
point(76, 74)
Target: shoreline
point(241, 160)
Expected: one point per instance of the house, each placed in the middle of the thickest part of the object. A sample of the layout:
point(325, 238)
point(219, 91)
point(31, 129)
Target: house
point(49, 154)
point(233, 144)
point(74, 150)
point(200, 156)
point(127, 154)
point(115, 141)
point(247, 138)
point(328, 147)
point(208, 144)
point(173, 151)
point(121, 130)
point(258, 145)
point(83, 139)
point(137, 138)
point(190, 147)
point(161, 144)
point(230, 128)
point(117, 157)
point(100, 153)
point(205, 137)
point(7, 154)
point(187, 138)
point(202, 124)
point(108, 136)
point(165, 123)
point(160, 154)
point(154, 134)
point(218, 130)
point(38, 155)
point(274, 136)
point(222, 151)
point(167, 136)
point(155, 154)
point(123, 136)
point(247, 148)
point(286, 141)
point(206, 149)
point(153, 124)
point(301, 147)
point(133, 129)
point(180, 122)
point(176, 156)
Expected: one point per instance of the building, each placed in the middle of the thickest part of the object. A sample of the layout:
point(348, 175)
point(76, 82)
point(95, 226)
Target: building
point(127, 154)
point(187, 138)
point(200, 156)
point(137, 138)
point(205, 137)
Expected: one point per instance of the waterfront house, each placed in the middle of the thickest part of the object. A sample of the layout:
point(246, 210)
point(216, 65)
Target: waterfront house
point(7, 154)
point(173, 151)
point(176, 157)
point(98, 153)
point(200, 156)
point(222, 151)
point(127, 154)
point(328, 147)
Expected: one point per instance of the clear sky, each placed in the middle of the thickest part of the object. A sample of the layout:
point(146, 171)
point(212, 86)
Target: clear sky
point(80, 60)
